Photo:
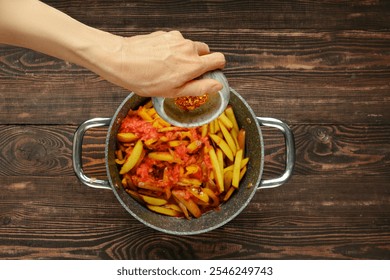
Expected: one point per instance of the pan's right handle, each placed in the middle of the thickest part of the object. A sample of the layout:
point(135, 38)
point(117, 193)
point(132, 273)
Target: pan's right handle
point(290, 152)
point(77, 153)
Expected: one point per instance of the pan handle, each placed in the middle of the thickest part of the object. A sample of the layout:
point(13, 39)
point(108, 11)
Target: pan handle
point(77, 153)
point(290, 152)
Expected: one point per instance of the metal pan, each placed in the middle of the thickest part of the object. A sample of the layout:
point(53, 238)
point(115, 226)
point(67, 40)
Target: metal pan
point(250, 184)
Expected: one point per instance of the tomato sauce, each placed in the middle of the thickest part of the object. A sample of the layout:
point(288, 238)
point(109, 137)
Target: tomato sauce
point(174, 165)
point(152, 171)
point(135, 124)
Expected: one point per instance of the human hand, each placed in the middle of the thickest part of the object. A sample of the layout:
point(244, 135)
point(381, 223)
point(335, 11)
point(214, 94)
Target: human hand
point(163, 64)
point(158, 64)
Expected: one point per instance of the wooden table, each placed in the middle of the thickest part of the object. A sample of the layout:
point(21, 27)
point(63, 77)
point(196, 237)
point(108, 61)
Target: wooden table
point(323, 68)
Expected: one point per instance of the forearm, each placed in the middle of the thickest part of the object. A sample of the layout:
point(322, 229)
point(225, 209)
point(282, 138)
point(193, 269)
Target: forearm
point(35, 25)
point(156, 64)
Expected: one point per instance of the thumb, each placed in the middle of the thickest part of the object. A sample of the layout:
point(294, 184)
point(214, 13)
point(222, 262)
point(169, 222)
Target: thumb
point(199, 87)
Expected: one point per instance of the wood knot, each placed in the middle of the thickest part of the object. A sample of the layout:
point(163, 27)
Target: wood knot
point(322, 134)
point(6, 220)
point(323, 142)
point(30, 150)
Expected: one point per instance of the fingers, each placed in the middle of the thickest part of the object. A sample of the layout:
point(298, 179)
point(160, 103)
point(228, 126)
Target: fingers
point(213, 61)
point(199, 87)
point(174, 33)
point(201, 48)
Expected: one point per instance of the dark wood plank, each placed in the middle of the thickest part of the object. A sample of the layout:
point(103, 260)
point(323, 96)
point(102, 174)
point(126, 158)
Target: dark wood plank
point(36, 150)
point(300, 77)
point(152, 15)
point(346, 218)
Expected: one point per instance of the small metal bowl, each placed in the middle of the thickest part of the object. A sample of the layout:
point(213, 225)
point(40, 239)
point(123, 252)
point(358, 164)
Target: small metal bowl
point(216, 103)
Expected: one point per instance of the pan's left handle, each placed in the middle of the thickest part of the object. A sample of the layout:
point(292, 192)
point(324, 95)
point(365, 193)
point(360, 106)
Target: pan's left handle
point(290, 152)
point(77, 153)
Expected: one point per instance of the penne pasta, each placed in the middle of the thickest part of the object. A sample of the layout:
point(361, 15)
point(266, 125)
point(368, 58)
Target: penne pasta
point(154, 200)
point(164, 210)
point(217, 169)
point(237, 169)
point(132, 160)
point(228, 138)
point(226, 121)
point(223, 145)
point(126, 137)
point(241, 139)
point(230, 114)
point(176, 171)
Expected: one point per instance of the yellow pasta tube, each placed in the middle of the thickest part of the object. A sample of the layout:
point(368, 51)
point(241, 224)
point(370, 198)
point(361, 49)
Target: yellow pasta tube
point(176, 143)
point(199, 194)
point(163, 156)
point(186, 134)
point(242, 172)
point(173, 207)
point(223, 145)
point(230, 114)
point(149, 186)
point(164, 210)
point(218, 172)
point(183, 208)
point(204, 130)
point(216, 126)
point(150, 141)
point(189, 182)
point(236, 169)
point(241, 139)
point(211, 194)
point(227, 178)
point(228, 168)
point(132, 160)
point(191, 169)
point(157, 124)
point(194, 145)
point(228, 193)
point(226, 121)
point(168, 128)
point(234, 134)
point(228, 138)
point(151, 112)
point(212, 127)
point(244, 161)
point(119, 161)
point(126, 137)
point(188, 203)
point(153, 200)
point(144, 114)
point(134, 195)
point(163, 122)
point(220, 158)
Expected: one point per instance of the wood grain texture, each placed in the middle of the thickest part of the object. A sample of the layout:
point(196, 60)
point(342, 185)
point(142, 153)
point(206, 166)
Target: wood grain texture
point(306, 219)
point(218, 15)
point(312, 73)
point(322, 67)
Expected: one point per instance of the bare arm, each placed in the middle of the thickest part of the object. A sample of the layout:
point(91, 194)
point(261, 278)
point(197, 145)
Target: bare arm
point(157, 64)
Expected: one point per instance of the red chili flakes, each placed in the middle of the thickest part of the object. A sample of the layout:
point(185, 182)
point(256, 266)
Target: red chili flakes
point(189, 103)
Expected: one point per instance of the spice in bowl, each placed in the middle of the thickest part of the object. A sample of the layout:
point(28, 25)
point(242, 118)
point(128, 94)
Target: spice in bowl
point(189, 103)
